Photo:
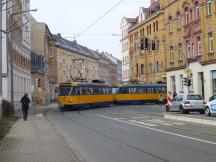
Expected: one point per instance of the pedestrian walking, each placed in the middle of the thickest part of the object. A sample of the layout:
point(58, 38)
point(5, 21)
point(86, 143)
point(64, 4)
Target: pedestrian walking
point(25, 105)
point(174, 94)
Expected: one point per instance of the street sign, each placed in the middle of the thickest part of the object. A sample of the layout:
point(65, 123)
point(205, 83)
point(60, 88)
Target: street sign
point(188, 71)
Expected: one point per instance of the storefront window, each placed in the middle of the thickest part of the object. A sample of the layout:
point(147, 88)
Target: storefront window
point(214, 81)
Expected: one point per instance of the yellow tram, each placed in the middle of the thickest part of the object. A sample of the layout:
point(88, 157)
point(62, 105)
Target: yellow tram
point(73, 95)
point(141, 94)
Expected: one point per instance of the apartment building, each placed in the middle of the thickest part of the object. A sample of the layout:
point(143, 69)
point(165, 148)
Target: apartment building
point(146, 45)
point(43, 58)
point(74, 61)
point(126, 23)
point(190, 36)
point(16, 51)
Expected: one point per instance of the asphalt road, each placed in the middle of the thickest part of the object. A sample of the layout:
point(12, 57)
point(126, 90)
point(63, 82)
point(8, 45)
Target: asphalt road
point(133, 134)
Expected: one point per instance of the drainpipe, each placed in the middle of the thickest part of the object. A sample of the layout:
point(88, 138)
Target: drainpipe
point(0, 63)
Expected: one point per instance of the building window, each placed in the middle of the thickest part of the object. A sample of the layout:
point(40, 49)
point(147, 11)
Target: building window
point(154, 27)
point(147, 30)
point(171, 53)
point(157, 66)
point(209, 7)
point(211, 42)
point(186, 17)
point(142, 68)
point(188, 49)
point(199, 47)
point(197, 10)
point(180, 51)
point(157, 27)
point(170, 23)
point(193, 50)
point(179, 20)
point(150, 29)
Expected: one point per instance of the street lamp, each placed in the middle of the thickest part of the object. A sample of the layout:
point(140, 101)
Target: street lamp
point(11, 53)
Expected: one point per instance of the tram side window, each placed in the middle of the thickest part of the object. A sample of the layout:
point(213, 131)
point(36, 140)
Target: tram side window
point(73, 91)
point(133, 90)
point(96, 90)
point(123, 90)
point(141, 90)
point(64, 91)
point(108, 90)
point(151, 90)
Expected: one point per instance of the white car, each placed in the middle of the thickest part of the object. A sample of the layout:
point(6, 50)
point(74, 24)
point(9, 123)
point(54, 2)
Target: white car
point(210, 107)
point(186, 103)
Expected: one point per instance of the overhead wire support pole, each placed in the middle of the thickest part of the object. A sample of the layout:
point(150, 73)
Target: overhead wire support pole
point(1, 58)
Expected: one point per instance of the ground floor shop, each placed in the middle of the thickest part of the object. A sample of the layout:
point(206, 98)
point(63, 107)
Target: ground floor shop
point(203, 79)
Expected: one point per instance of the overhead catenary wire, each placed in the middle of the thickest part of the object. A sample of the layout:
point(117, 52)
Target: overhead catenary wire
point(100, 18)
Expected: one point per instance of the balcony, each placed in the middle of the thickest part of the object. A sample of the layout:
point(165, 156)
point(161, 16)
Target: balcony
point(192, 28)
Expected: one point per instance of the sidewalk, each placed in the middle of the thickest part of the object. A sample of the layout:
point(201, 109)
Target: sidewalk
point(35, 140)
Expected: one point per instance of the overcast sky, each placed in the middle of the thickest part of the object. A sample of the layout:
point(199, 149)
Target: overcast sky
point(73, 16)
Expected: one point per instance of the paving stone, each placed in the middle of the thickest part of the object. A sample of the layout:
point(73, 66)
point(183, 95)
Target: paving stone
point(35, 140)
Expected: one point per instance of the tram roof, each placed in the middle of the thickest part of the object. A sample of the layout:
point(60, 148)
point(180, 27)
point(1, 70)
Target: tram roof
point(75, 84)
point(142, 85)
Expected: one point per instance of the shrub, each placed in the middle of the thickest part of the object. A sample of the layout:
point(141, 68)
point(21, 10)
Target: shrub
point(7, 109)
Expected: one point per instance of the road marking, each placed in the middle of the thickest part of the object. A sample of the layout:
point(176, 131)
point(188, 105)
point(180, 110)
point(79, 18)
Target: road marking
point(158, 130)
point(139, 117)
point(176, 123)
point(143, 123)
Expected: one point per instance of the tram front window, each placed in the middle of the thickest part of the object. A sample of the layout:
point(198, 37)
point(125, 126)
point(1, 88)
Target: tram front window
point(64, 91)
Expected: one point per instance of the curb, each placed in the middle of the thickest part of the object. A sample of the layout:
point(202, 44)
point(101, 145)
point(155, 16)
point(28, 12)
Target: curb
point(190, 119)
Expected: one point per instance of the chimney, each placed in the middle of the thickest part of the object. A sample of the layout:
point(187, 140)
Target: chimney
point(152, 1)
point(59, 35)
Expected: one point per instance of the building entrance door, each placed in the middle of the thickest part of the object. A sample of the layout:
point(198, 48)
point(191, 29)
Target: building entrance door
point(202, 86)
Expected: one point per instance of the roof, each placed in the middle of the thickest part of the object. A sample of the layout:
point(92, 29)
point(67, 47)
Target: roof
point(73, 46)
point(112, 58)
point(131, 20)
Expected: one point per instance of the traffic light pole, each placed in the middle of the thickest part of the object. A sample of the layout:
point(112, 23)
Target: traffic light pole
point(187, 66)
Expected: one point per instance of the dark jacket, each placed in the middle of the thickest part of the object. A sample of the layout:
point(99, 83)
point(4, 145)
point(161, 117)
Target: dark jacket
point(25, 102)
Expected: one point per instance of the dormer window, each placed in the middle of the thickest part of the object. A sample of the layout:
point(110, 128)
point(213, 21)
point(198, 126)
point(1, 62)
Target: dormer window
point(141, 17)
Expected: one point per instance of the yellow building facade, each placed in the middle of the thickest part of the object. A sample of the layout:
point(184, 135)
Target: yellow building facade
point(185, 33)
point(74, 61)
point(148, 65)
point(190, 44)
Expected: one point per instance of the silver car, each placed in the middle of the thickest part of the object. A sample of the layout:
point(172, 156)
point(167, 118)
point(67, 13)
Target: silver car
point(186, 103)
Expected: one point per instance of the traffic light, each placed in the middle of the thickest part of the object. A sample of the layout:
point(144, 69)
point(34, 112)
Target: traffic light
point(189, 82)
point(146, 44)
point(153, 45)
point(142, 40)
point(39, 83)
point(185, 81)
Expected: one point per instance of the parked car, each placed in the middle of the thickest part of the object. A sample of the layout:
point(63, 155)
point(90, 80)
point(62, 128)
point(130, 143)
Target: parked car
point(210, 107)
point(186, 103)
